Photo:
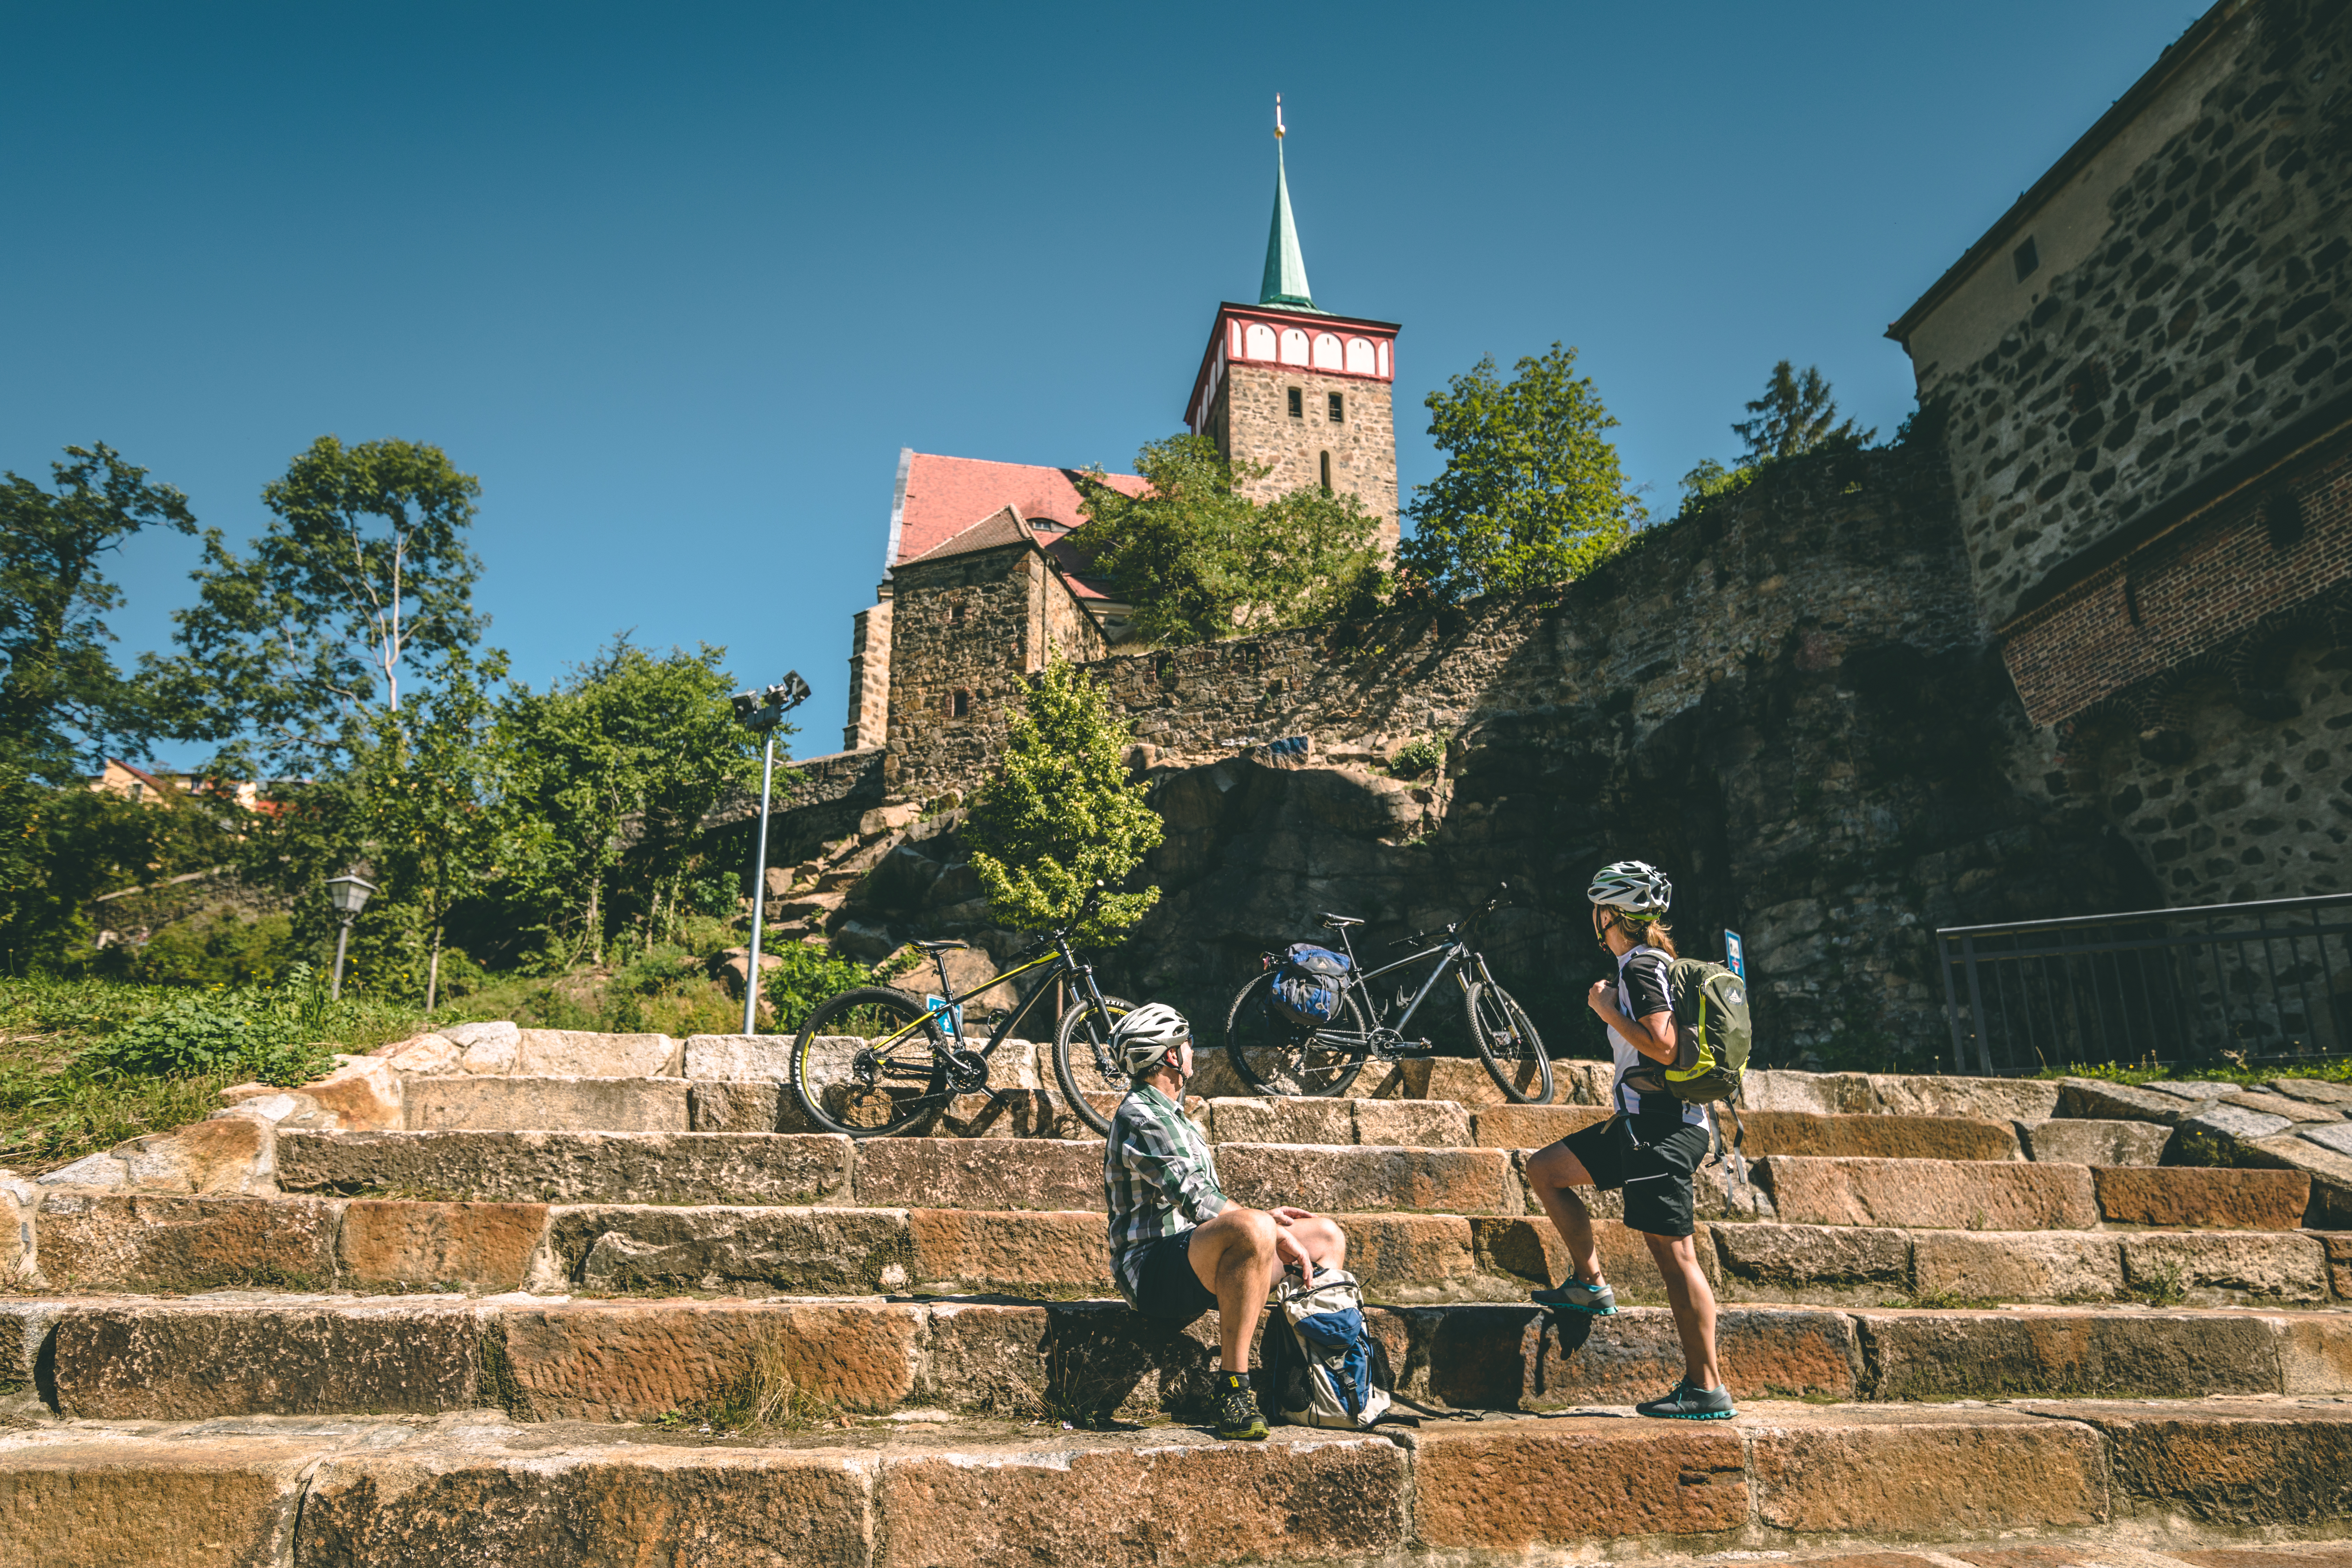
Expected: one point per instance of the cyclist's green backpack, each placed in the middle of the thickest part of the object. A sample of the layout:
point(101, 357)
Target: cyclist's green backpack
point(1711, 1019)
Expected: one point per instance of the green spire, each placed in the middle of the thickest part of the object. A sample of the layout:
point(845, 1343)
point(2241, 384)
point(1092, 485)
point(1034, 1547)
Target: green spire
point(1285, 268)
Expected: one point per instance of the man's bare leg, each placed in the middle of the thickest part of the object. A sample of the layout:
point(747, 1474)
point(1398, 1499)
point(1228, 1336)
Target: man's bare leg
point(1692, 1301)
point(1235, 1256)
point(1551, 1172)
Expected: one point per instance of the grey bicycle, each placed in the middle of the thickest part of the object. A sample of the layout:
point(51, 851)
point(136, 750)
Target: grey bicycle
point(1275, 1055)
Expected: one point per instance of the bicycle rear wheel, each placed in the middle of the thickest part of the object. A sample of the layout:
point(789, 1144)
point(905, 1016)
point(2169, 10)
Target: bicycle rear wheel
point(1274, 1056)
point(867, 1063)
point(1083, 1063)
point(1508, 1044)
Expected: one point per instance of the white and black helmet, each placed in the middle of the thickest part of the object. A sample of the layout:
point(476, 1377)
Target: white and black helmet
point(1145, 1036)
point(1634, 886)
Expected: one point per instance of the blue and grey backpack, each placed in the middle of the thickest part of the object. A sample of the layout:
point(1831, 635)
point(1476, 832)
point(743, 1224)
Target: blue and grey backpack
point(1307, 986)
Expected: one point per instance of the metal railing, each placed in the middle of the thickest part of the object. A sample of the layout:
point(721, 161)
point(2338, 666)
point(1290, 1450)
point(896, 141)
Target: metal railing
point(2255, 983)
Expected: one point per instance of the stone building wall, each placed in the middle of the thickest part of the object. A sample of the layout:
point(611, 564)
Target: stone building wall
point(2199, 312)
point(1253, 415)
point(869, 677)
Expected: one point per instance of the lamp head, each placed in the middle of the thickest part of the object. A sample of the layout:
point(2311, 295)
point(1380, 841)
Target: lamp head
point(349, 893)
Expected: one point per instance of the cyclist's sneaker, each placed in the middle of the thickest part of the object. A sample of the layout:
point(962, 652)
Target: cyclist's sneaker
point(1239, 1420)
point(1576, 1296)
point(1688, 1404)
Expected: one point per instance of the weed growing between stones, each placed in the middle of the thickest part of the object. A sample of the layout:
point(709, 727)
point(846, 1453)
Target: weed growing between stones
point(766, 1399)
point(2160, 1285)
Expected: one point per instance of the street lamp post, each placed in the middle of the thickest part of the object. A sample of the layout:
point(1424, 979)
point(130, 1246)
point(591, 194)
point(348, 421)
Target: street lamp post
point(762, 712)
point(350, 894)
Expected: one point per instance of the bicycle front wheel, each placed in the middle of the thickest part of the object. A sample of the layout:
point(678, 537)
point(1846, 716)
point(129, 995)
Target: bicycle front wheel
point(1508, 1045)
point(1274, 1056)
point(869, 1063)
point(1089, 1075)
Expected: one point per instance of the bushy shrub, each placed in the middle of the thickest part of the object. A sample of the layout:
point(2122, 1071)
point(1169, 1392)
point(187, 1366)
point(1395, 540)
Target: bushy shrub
point(222, 950)
point(268, 1036)
point(807, 976)
point(1417, 758)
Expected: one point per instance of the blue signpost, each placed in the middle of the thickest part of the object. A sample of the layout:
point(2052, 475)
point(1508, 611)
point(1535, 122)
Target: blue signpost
point(1735, 957)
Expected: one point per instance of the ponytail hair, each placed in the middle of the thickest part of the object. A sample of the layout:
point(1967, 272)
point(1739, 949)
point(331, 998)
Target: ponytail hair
point(1652, 932)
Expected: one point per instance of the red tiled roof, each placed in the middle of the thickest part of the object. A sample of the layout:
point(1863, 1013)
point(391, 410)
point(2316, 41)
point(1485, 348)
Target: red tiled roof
point(998, 529)
point(944, 496)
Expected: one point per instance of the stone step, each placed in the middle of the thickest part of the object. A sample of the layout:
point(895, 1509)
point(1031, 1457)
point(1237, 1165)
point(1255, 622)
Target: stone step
point(605, 1361)
point(2036, 1196)
point(2081, 1480)
point(102, 1242)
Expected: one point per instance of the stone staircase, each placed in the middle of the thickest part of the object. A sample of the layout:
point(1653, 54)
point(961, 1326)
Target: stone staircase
point(498, 1295)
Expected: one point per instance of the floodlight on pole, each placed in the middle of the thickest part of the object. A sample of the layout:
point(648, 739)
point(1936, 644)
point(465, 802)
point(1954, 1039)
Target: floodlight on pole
point(762, 712)
point(349, 896)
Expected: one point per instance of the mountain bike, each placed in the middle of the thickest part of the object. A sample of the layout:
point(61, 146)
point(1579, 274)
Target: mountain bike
point(875, 1061)
point(1275, 1055)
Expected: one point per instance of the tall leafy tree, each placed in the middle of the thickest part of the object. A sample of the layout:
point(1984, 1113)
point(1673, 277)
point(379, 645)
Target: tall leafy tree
point(1199, 560)
point(1796, 415)
point(1058, 813)
point(1532, 493)
point(61, 698)
point(364, 570)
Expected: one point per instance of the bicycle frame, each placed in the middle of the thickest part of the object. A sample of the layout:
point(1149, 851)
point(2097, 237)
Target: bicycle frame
point(1057, 955)
point(1454, 957)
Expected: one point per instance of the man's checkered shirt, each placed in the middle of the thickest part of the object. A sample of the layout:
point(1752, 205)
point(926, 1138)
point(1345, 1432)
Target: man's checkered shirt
point(1159, 1179)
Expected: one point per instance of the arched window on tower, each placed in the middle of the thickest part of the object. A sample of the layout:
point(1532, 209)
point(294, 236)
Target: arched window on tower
point(1327, 473)
point(1294, 346)
point(1259, 341)
point(1360, 360)
point(1327, 352)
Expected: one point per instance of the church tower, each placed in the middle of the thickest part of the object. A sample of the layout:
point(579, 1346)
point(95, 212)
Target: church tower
point(1290, 385)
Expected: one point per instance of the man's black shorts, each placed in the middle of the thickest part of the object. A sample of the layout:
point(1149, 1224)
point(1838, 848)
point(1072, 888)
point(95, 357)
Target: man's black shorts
point(1168, 1288)
point(1656, 1178)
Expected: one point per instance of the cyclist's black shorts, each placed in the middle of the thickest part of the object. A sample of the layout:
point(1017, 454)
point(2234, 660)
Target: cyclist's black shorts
point(1657, 1177)
point(1168, 1289)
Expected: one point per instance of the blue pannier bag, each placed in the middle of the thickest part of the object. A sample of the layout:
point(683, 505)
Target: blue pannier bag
point(1307, 986)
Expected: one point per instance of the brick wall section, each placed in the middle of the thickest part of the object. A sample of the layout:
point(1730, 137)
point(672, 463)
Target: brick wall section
point(1253, 411)
point(869, 678)
point(2212, 314)
point(2261, 552)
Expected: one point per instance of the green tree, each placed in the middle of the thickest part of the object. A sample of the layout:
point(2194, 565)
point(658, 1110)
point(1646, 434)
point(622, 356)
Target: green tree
point(1058, 814)
point(1531, 495)
point(291, 645)
point(61, 698)
point(1795, 415)
point(1201, 561)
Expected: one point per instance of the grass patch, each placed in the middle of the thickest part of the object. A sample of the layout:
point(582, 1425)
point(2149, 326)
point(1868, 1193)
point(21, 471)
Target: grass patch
point(2337, 1069)
point(764, 1400)
point(2162, 1284)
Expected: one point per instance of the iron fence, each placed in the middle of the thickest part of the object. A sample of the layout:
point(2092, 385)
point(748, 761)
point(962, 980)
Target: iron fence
point(2260, 982)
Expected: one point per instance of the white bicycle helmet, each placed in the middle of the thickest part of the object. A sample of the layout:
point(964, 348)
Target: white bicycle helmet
point(1144, 1038)
point(1634, 886)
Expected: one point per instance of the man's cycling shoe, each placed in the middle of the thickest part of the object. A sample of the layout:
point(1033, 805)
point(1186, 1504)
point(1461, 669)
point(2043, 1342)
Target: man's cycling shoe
point(1688, 1404)
point(1239, 1420)
point(1576, 1296)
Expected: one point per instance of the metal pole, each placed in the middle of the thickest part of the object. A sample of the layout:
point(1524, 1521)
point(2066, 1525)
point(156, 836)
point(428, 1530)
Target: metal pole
point(759, 889)
point(342, 935)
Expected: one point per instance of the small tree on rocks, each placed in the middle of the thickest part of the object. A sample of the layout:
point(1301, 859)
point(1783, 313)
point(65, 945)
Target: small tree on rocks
point(1059, 815)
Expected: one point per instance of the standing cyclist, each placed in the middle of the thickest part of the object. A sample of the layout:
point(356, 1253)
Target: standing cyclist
point(1178, 1244)
point(1649, 1147)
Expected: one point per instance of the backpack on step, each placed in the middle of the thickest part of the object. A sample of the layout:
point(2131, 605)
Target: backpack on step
point(1322, 1366)
point(1307, 986)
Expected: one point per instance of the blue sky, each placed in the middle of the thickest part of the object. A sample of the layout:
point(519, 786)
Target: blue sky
point(679, 282)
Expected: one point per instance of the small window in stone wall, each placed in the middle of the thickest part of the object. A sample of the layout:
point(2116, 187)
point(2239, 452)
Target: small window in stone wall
point(1339, 408)
point(955, 616)
point(1298, 404)
point(960, 705)
point(2026, 259)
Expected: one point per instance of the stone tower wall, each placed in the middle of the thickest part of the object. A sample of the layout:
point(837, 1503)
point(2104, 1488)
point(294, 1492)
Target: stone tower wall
point(1254, 423)
point(869, 678)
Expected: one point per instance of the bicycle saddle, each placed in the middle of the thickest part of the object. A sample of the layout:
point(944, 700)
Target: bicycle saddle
point(1335, 921)
point(941, 946)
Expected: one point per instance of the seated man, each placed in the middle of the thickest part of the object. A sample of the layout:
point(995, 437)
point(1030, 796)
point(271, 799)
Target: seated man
point(1178, 1244)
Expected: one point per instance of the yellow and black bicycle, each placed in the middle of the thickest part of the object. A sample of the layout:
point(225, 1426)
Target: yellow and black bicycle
point(876, 1060)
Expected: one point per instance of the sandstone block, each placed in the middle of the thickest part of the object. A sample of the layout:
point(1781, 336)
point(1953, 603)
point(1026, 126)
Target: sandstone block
point(90, 1170)
point(987, 1358)
point(2070, 1140)
point(966, 1251)
point(1879, 1137)
point(25, 1327)
point(2202, 1199)
point(2336, 1136)
point(1405, 1258)
point(2339, 1246)
point(2314, 1091)
point(1089, 1502)
point(1413, 1123)
point(91, 1242)
point(159, 1361)
point(995, 1173)
point(1282, 1121)
point(2198, 1090)
point(2314, 1350)
point(1532, 1126)
point(1843, 1093)
point(2010, 1266)
point(573, 1167)
point(2278, 1105)
point(632, 1361)
point(1012, 1113)
point(361, 1092)
point(538, 1506)
point(808, 1251)
point(1459, 1079)
point(1925, 1472)
point(234, 1155)
point(2240, 1465)
point(1942, 1194)
point(741, 1106)
point(1582, 1083)
point(18, 1256)
point(543, 1104)
point(124, 1502)
point(584, 1053)
point(1768, 1262)
point(2221, 1120)
point(466, 1036)
point(427, 1055)
point(1982, 1099)
point(1767, 1354)
point(1352, 1179)
point(1995, 1356)
point(1508, 1486)
point(2230, 1266)
point(2101, 1100)
point(1530, 1250)
point(406, 1245)
point(765, 1057)
point(2330, 1173)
